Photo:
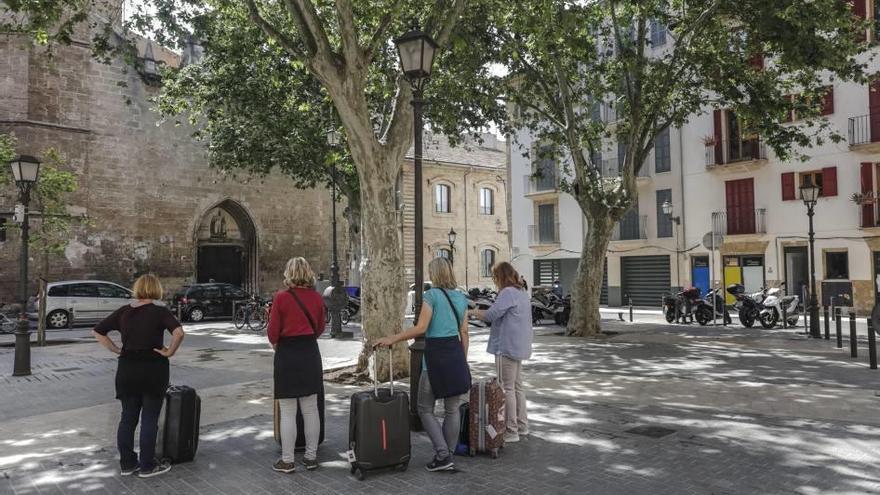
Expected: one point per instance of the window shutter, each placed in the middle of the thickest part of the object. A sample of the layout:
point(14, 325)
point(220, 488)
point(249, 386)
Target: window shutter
point(788, 186)
point(789, 114)
point(829, 181)
point(860, 10)
point(867, 176)
point(828, 101)
point(757, 61)
point(719, 148)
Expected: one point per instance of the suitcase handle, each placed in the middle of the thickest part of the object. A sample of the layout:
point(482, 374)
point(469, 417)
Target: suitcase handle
point(376, 372)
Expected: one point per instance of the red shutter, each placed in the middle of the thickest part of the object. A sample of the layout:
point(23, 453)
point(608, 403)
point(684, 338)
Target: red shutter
point(828, 101)
point(829, 181)
point(757, 61)
point(867, 175)
point(860, 10)
point(788, 186)
point(789, 113)
point(719, 146)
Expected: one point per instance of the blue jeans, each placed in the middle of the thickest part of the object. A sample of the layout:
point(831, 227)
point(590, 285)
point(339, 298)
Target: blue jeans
point(147, 409)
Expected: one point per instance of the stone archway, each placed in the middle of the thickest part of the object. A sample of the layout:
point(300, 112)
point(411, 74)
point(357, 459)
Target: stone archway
point(226, 246)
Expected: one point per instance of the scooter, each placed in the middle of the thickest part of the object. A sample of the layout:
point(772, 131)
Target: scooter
point(703, 310)
point(545, 305)
point(747, 305)
point(774, 302)
point(680, 307)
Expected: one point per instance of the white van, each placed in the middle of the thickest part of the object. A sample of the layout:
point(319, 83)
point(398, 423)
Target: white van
point(85, 301)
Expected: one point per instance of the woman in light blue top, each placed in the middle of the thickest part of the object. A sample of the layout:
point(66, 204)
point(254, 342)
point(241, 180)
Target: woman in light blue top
point(510, 340)
point(443, 322)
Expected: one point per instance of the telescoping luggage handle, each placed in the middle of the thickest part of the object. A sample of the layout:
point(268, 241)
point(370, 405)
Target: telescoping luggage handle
point(376, 372)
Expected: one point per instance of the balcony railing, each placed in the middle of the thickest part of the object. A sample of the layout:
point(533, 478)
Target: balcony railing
point(543, 234)
point(631, 227)
point(739, 221)
point(735, 151)
point(540, 184)
point(610, 167)
point(864, 129)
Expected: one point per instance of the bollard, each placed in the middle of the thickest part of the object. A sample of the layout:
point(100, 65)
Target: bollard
point(827, 326)
point(853, 340)
point(872, 346)
point(70, 318)
point(630, 309)
point(839, 330)
point(784, 316)
point(180, 308)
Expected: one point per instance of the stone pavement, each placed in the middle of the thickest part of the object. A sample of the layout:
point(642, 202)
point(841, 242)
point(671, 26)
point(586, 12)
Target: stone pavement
point(654, 409)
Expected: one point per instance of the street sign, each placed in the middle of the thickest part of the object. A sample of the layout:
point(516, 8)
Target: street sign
point(708, 243)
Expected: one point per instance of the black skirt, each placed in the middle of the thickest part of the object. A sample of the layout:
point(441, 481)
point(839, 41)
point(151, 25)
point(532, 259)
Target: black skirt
point(298, 368)
point(448, 370)
point(141, 373)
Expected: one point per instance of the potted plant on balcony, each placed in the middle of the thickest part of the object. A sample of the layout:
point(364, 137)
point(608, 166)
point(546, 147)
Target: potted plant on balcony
point(862, 199)
point(709, 141)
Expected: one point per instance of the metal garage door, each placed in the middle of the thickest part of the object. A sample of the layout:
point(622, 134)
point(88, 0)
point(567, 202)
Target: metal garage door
point(603, 296)
point(644, 278)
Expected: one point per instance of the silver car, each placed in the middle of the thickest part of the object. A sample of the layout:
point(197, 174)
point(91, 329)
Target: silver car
point(75, 302)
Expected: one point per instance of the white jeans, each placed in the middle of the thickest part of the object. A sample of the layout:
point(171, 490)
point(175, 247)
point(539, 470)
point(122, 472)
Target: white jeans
point(311, 423)
point(514, 395)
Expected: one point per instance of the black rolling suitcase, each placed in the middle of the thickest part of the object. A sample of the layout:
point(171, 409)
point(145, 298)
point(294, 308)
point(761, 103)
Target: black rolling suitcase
point(300, 429)
point(180, 438)
point(378, 429)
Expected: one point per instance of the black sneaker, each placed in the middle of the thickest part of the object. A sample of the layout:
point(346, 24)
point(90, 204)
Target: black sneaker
point(128, 471)
point(310, 464)
point(160, 468)
point(444, 464)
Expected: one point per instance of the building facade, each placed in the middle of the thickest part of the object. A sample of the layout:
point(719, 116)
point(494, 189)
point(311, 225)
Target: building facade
point(464, 190)
point(149, 198)
point(718, 179)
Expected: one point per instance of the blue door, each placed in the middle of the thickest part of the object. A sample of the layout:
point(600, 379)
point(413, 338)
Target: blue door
point(700, 273)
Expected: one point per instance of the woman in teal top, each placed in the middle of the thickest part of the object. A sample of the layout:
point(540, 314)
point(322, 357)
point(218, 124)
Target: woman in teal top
point(446, 375)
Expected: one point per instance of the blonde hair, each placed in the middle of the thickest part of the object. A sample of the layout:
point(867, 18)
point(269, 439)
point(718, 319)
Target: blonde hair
point(440, 271)
point(298, 273)
point(147, 286)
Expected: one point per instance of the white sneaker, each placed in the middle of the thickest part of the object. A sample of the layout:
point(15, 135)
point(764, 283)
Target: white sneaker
point(510, 437)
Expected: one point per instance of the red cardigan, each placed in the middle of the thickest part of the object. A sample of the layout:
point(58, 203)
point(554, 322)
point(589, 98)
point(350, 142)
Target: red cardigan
point(287, 319)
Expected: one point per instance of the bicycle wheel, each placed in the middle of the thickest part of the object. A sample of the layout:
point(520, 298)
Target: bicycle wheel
point(259, 319)
point(240, 317)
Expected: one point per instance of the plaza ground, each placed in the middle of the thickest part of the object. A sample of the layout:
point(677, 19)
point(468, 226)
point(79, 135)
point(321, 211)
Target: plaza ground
point(653, 408)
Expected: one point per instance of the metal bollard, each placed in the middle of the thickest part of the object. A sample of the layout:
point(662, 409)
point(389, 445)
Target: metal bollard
point(827, 326)
point(839, 330)
point(70, 318)
point(630, 309)
point(853, 339)
point(784, 317)
point(872, 346)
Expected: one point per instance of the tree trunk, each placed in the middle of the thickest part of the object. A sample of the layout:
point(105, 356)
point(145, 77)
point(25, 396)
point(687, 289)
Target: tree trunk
point(383, 289)
point(585, 318)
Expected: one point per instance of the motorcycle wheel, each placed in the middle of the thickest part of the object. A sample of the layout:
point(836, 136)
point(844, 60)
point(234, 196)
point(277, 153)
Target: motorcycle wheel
point(670, 315)
point(747, 319)
point(703, 316)
point(768, 320)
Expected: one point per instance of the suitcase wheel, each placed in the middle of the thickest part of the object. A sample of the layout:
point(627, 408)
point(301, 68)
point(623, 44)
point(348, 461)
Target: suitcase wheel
point(494, 453)
point(403, 467)
point(359, 474)
point(472, 452)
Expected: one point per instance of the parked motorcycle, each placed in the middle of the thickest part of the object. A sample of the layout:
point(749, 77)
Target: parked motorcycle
point(774, 302)
point(480, 299)
point(703, 309)
point(546, 304)
point(747, 305)
point(680, 307)
point(564, 314)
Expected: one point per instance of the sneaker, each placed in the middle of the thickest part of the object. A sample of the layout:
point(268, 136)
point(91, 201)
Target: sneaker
point(440, 465)
point(523, 433)
point(310, 464)
point(511, 437)
point(284, 467)
point(128, 471)
point(161, 468)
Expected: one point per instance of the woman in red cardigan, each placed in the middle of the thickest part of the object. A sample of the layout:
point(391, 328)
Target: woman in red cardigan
point(295, 323)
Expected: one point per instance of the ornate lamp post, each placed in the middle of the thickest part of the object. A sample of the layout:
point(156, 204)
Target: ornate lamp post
point(25, 171)
point(451, 238)
point(667, 210)
point(416, 50)
point(335, 295)
point(809, 194)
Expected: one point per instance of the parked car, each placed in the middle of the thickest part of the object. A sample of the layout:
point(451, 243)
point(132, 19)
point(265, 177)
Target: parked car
point(211, 300)
point(90, 301)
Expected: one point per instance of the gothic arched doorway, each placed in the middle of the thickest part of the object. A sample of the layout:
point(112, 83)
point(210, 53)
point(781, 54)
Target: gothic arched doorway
point(226, 246)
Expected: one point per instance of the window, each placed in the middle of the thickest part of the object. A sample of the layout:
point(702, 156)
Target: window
point(621, 153)
point(545, 170)
point(658, 33)
point(209, 293)
point(662, 153)
point(234, 292)
point(58, 291)
point(441, 198)
point(487, 201)
point(815, 177)
point(837, 265)
point(83, 290)
point(444, 253)
point(664, 221)
point(487, 261)
point(112, 291)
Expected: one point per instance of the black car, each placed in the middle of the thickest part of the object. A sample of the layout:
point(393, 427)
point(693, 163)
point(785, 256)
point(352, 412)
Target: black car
point(214, 300)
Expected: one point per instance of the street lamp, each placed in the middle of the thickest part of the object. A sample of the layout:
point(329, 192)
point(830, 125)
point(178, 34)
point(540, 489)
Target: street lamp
point(451, 238)
point(667, 210)
point(25, 171)
point(809, 194)
point(335, 295)
point(416, 50)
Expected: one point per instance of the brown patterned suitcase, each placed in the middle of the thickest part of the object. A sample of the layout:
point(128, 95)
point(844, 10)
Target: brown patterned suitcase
point(487, 417)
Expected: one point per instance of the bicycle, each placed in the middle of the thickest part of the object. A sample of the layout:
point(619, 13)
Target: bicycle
point(254, 314)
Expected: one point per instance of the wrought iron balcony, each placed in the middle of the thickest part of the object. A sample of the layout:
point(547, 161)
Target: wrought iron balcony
point(543, 234)
point(545, 183)
point(730, 151)
point(864, 130)
point(631, 227)
point(739, 221)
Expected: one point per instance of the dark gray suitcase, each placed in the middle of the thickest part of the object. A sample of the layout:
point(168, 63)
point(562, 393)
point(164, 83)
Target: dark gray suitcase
point(180, 436)
point(378, 429)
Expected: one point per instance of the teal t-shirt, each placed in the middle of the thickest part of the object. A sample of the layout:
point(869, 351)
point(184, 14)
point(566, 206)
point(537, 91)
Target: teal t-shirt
point(443, 322)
